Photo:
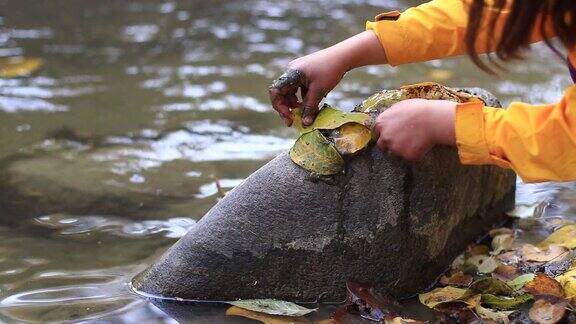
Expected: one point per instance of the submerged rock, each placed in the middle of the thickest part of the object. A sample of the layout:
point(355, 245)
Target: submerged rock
point(285, 234)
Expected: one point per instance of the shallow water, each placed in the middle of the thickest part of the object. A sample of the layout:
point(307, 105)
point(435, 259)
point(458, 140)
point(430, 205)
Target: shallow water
point(112, 151)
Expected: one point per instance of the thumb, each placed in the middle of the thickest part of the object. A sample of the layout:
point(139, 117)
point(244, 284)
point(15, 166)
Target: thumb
point(310, 104)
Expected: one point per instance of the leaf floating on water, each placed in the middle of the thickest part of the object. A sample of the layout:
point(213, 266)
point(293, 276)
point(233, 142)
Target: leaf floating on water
point(544, 285)
point(483, 263)
point(273, 307)
point(565, 236)
point(520, 281)
point(552, 252)
point(441, 296)
point(16, 67)
point(548, 312)
point(370, 305)
point(491, 286)
point(351, 138)
point(506, 303)
point(497, 316)
point(528, 210)
point(457, 279)
point(313, 152)
point(264, 318)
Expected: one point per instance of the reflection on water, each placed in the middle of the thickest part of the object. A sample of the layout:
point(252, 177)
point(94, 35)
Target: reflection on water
point(115, 148)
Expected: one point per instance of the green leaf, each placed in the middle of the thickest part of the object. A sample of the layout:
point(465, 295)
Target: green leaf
point(381, 100)
point(491, 286)
point(328, 118)
point(519, 282)
point(272, 307)
point(313, 152)
point(506, 303)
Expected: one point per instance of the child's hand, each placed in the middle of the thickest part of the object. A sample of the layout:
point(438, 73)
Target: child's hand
point(318, 73)
point(412, 127)
point(315, 75)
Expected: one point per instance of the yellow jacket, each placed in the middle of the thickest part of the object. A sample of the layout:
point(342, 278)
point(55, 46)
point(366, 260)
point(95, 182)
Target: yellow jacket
point(538, 142)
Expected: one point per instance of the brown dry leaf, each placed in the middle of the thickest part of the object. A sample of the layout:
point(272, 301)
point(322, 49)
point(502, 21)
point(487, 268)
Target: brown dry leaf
point(264, 318)
point(565, 236)
point(553, 252)
point(544, 285)
point(497, 316)
point(444, 295)
point(501, 243)
point(505, 272)
point(484, 263)
point(400, 320)
point(547, 312)
point(457, 279)
point(499, 231)
point(478, 249)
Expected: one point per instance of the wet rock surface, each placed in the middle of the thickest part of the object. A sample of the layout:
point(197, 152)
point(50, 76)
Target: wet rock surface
point(283, 234)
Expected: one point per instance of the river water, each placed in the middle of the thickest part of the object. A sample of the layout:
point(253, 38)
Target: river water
point(112, 151)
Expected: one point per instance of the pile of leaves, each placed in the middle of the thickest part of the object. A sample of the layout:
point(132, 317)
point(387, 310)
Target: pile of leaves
point(523, 273)
point(321, 146)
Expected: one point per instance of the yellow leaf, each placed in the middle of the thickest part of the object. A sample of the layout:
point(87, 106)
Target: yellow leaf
point(264, 318)
point(444, 295)
point(568, 283)
point(351, 138)
point(483, 263)
point(328, 118)
point(502, 242)
point(565, 236)
point(313, 152)
point(14, 67)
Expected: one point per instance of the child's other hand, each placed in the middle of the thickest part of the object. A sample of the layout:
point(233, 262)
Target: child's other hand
point(315, 75)
point(410, 128)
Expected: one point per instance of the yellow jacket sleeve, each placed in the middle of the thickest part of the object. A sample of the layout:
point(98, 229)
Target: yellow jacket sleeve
point(538, 142)
point(433, 30)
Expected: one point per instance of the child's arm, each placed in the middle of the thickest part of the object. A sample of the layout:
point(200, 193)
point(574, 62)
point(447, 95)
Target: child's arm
point(320, 72)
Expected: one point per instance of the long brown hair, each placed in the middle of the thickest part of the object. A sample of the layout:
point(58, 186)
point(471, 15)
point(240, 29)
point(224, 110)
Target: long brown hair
point(548, 17)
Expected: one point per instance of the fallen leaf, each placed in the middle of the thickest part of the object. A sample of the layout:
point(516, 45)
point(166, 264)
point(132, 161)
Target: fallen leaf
point(400, 320)
point(457, 279)
point(568, 283)
point(551, 252)
point(484, 263)
point(501, 243)
point(478, 249)
point(491, 286)
point(565, 236)
point(458, 262)
point(520, 281)
point(313, 152)
point(381, 100)
point(544, 285)
point(489, 314)
point(510, 258)
point(441, 296)
point(505, 272)
point(506, 303)
point(351, 138)
point(547, 312)
point(264, 318)
point(371, 305)
point(499, 231)
point(528, 210)
point(272, 307)
point(15, 67)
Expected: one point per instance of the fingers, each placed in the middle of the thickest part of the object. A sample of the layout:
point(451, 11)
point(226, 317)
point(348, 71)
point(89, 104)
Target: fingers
point(312, 97)
point(283, 93)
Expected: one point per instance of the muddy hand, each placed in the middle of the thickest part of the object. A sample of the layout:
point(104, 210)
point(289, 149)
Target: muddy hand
point(283, 93)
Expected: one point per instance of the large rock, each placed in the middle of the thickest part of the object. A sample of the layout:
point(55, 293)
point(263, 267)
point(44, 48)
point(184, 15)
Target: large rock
point(284, 234)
